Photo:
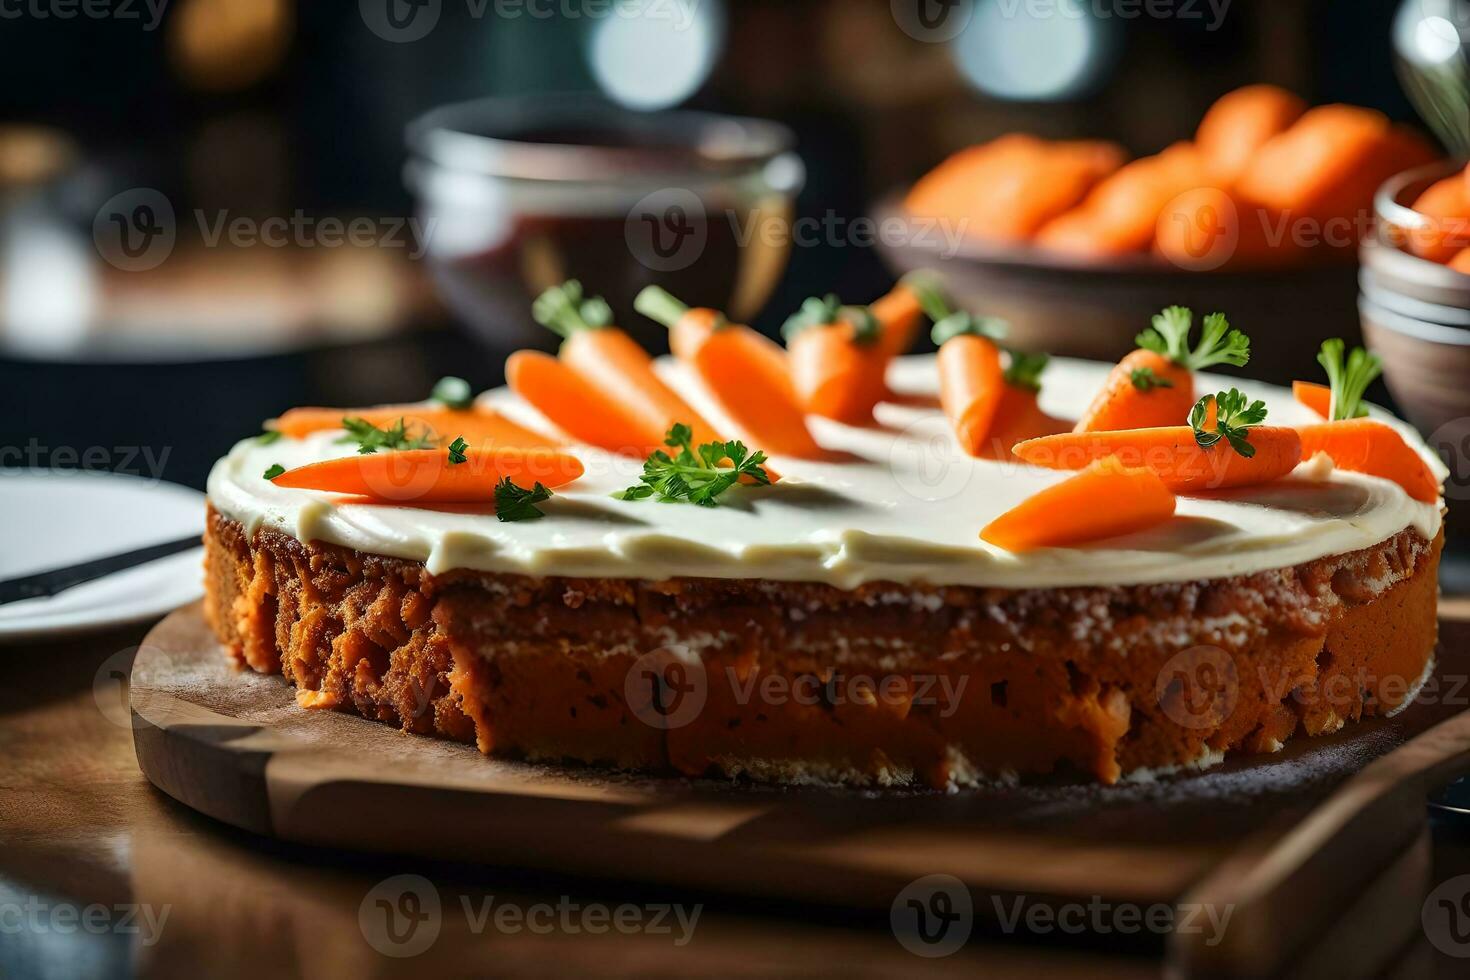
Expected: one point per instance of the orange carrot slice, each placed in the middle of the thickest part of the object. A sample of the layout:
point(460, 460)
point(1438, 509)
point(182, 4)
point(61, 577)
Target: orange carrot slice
point(580, 410)
point(1173, 453)
point(612, 362)
point(899, 313)
point(971, 383)
point(1316, 397)
point(837, 363)
point(478, 425)
point(1018, 416)
point(1241, 122)
point(1446, 205)
point(1104, 500)
point(430, 476)
point(746, 373)
point(1154, 385)
point(1372, 447)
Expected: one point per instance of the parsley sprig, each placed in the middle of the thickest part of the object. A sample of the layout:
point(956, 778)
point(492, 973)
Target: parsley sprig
point(268, 437)
point(1348, 380)
point(515, 503)
point(275, 470)
point(823, 311)
point(1234, 415)
point(697, 476)
point(370, 438)
point(1218, 344)
point(457, 451)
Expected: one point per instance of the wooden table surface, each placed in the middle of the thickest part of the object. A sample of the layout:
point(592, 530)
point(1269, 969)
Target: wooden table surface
point(102, 875)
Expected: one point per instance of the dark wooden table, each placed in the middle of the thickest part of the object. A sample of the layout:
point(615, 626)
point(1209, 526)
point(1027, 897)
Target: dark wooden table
point(102, 875)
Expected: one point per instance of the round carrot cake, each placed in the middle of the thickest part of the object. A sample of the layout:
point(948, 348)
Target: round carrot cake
point(845, 624)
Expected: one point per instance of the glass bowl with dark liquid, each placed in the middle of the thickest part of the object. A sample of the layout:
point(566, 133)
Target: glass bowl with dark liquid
point(518, 194)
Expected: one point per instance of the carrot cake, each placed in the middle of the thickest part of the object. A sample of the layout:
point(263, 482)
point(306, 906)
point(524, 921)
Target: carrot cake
point(846, 624)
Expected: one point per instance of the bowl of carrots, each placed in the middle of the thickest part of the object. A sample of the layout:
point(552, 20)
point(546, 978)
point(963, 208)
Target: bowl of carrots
point(1415, 303)
point(1260, 212)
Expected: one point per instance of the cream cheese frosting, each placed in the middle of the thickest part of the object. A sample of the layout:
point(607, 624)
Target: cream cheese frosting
point(905, 505)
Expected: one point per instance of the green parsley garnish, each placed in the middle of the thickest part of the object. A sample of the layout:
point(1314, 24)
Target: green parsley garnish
point(823, 311)
point(456, 451)
point(949, 322)
point(1233, 417)
point(1023, 370)
point(563, 309)
point(370, 438)
point(452, 392)
point(1349, 380)
point(268, 437)
point(1218, 344)
point(513, 503)
point(276, 469)
point(1147, 379)
point(696, 476)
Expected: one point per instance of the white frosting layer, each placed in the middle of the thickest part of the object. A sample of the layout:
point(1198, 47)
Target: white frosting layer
point(907, 508)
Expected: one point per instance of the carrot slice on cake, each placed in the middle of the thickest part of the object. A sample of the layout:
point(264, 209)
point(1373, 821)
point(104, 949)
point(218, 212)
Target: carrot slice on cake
point(1154, 385)
point(433, 475)
point(745, 372)
point(1102, 501)
point(1223, 446)
point(575, 406)
point(837, 362)
point(1355, 442)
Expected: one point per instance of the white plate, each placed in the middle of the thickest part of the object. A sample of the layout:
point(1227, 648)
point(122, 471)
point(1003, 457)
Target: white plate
point(50, 518)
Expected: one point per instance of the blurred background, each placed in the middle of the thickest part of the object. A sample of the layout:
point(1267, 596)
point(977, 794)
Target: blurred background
point(209, 212)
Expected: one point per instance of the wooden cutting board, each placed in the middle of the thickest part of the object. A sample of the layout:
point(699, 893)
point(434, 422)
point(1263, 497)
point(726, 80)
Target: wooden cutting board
point(1288, 843)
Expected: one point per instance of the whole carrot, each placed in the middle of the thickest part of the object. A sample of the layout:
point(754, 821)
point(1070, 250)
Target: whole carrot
point(1241, 122)
point(1154, 385)
point(576, 407)
point(744, 372)
point(1461, 262)
point(837, 362)
point(1446, 206)
point(1104, 500)
point(1121, 215)
point(1355, 442)
point(612, 362)
point(433, 475)
point(1224, 445)
point(1018, 416)
point(899, 313)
